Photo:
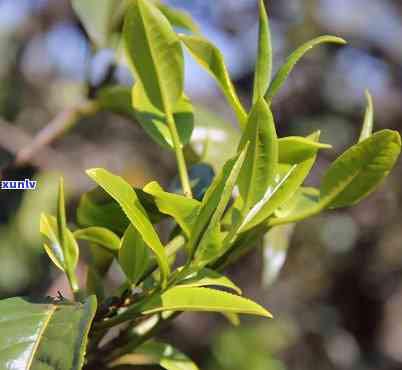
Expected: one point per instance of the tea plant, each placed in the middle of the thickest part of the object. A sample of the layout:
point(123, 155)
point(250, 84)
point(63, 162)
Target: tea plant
point(257, 190)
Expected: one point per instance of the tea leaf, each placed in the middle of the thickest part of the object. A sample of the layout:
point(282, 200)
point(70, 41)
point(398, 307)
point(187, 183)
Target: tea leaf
point(35, 332)
point(207, 277)
point(354, 175)
point(262, 156)
point(133, 255)
point(99, 235)
point(295, 149)
point(288, 181)
point(96, 16)
point(202, 299)
point(182, 209)
point(124, 194)
point(210, 58)
point(215, 201)
point(160, 354)
point(154, 122)
point(177, 17)
point(368, 122)
point(155, 54)
point(358, 171)
point(65, 256)
point(291, 61)
point(263, 68)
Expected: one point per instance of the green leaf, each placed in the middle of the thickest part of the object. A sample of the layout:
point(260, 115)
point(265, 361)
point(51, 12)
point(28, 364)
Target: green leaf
point(296, 149)
point(99, 235)
point(184, 210)
point(288, 181)
point(116, 99)
point(98, 209)
point(154, 121)
point(61, 217)
point(178, 18)
point(202, 299)
point(96, 16)
point(213, 206)
point(305, 198)
point(134, 257)
point(207, 277)
point(291, 61)
point(262, 157)
point(159, 354)
point(44, 335)
point(124, 194)
point(368, 122)
point(354, 175)
point(155, 54)
point(358, 171)
point(210, 58)
point(65, 257)
point(263, 69)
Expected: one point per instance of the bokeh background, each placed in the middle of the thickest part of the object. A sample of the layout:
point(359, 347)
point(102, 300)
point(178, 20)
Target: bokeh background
point(336, 292)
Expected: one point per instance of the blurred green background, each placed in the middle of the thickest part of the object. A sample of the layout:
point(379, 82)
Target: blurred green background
point(336, 293)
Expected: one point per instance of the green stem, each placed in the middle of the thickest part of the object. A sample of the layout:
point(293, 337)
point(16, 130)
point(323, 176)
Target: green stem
point(181, 163)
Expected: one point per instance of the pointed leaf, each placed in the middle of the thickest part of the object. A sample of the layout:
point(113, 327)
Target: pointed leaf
point(44, 335)
point(160, 354)
point(154, 122)
point(288, 181)
point(133, 255)
point(99, 235)
point(65, 258)
point(296, 149)
point(354, 175)
point(202, 299)
point(96, 16)
point(124, 194)
point(177, 17)
point(262, 157)
point(210, 58)
point(291, 61)
point(215, 202)
point(154, 53)
point(368, 123)
point(182, 209)
point(358, 171)
point(263, 69)
point(207, 277)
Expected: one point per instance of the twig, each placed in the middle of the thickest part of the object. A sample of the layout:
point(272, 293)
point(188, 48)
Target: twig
point(56, 128)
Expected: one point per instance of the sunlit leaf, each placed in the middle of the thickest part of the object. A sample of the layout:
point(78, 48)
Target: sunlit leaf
point(182, 209)
point(202, 299)
point(177, 17)
point(368, 122)
point(96, 16)
point(263, 68)
point(154, 122)
point(291, 61)
point(208, 277)
point(44, 334)
point(210, 58)
point(99, 235)
point(262, 156)
point(296, 149)
point(287, 182)
point(64, 257)
point(160, 354)
point(133, 255)
point(124, 194)
point(212, 209)
point(154, 52)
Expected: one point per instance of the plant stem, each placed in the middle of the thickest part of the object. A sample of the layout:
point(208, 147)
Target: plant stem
point(181, 163)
